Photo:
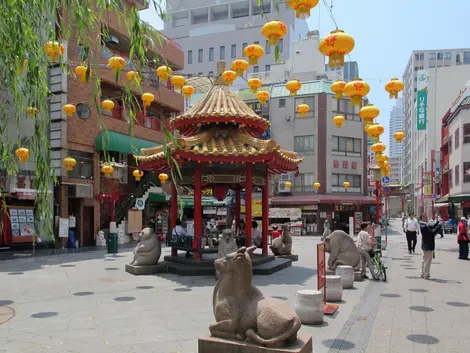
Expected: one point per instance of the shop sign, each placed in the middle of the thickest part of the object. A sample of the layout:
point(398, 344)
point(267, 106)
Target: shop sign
point(26, 195)
point(310, 208)
point(64, 228)
point(256, 208)
point(345, 164)
point(209, 210)
point(354, 165)
point(291, 213)
point(72, 222)
point(335, 164)
point(22, 221)
point(221, 211)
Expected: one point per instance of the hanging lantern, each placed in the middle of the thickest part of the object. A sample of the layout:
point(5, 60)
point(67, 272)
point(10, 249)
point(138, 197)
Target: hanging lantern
point(374, 132)
point(69, 163)
point(229, 76)
point(254, 84)
point(107, 170)
point(69, 109)
point(293, 86)
point(107, 105)
point(54, 50)
point(356, 90)
point(316, 185)
point(288, 184)
point(368, 113)
point(116, 63)
point(163, 178)
point(23, 154)
point(188, 91)
point(338, 120)
point(346, 185)
point(399, 136)
point(253, 52)
point(148, 98)
point(393, 87)
point(378, 147)
point(336, 45)
point(137, 174)
point(380, 159)
point(164, 72)
point(262, 96)
point(303, 109)
point(273, 31)
point(220, 192)
point(302, 7)
point(338, 88)
point(133, 76)
point(178, 81)
point(80, 71)
point(32, 111)
point(240, 66)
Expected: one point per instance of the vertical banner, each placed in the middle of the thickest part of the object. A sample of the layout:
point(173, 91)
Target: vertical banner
point(422, 100)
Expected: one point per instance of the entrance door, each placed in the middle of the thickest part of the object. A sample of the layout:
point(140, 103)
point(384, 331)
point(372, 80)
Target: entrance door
point(88, 226)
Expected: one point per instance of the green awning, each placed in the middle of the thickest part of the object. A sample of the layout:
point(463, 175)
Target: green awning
point(113, 141)
point(188, 201)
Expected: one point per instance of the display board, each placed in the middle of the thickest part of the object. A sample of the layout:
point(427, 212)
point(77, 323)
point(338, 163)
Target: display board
point(161, 223)
point(63, 228)
point(22, 222)
point(134, 223)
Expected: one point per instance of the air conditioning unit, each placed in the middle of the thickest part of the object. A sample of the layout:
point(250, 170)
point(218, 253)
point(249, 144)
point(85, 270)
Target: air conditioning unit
point(112, 39)
point(283, 188)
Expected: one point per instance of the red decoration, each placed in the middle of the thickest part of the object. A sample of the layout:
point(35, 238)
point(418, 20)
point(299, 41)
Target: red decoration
point(21, 182)
point(220, 192)
point(335, 164)
point(345, 164)
point(354, 165)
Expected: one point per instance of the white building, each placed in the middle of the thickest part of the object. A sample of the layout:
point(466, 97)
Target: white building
point(348, 72)
point(395, 125)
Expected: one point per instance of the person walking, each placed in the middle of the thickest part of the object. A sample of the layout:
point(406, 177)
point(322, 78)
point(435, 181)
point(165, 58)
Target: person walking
point(462, 239)
point(428, 245)
point(440, 229)
point(364, 245)
point(411, 230)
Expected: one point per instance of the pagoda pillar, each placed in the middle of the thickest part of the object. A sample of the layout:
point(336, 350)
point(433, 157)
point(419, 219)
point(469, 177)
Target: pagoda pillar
point(197, 209)
point(248, 203)
point(174, 212)
point(237, 207)
point(265, 221)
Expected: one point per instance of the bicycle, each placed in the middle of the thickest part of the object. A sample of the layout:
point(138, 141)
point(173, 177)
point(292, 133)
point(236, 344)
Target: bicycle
point(380, 268)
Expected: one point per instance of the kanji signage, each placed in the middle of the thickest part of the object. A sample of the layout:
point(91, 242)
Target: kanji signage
point(354, 165)
point(335, 164)
point(422, 100)
point(321, 266)
point(345, 164)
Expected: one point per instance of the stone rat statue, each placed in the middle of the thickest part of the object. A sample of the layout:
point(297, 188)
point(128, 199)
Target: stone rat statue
point(149, 249)
point(283, 244)
point(243, 312)
point(342, 250)
point(228, 244)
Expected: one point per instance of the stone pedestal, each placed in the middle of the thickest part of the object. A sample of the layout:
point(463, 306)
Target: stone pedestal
point(330, 272)
point(358, 276)
point(217, 345)
point(145, 270)
point(309, 306)
point(292, 257)
point(347, 276)
point(334, 289)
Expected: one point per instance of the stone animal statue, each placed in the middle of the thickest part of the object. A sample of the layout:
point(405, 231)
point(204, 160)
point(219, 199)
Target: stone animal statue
point(342, 250)
point(149, 249)
point(227, 245)
point(242, 312)
point(100, 240)
point(283, 244)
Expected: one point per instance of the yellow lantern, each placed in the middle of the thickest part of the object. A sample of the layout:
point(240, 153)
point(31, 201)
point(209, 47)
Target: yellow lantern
point(302, 7)
point(303, 109)
point(148, 98)
point(374, 132)
point(393, 87)
point(229, 76)
point(336, 45)
point(288, 184)
point(253, 52)
point(163, 178)
point(32, 111)
point(346, 185)
point(54, 50)
point(273, 31)
point(188, 91)
point(69, 109)
point(368, 113)
point(262, 96)
point(80, 71)
point(137, 174)
point(23, 154)
point(316, 185)
point(69, 163)
point(164, 72)
point(254, 84)
point(293, 86)
point(133, 76)
point(399, 136)
point(356, 90)
point(381, 159)
point(178, 81)
point(107, 170)
point(338, 87)
point(116, 63)
point(240, 66)
point(107, 105)
point(378, 147)
point(338, 120)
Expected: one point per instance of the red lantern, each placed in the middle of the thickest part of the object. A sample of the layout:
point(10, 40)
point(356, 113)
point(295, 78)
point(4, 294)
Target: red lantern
point(220, 192)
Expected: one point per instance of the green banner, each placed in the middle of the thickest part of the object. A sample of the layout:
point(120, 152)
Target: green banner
point(422, 109)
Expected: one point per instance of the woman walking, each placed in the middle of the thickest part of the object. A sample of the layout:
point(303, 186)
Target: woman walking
point(462, 239)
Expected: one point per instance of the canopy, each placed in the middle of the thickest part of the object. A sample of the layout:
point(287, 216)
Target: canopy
point(113, 141)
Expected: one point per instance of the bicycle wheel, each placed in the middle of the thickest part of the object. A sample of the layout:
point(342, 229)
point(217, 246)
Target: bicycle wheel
point(384, 273)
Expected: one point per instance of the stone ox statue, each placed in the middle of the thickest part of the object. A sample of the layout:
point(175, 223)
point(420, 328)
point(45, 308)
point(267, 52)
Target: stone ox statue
point(283, 244)
point(243, 312)
point(149, 249)
point(342, 250)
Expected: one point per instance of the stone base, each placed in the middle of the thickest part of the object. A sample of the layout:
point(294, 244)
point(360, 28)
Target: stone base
point(330, 272)
point(358, 276)
point(217, 345)
point(289, 257)
point(145, 270)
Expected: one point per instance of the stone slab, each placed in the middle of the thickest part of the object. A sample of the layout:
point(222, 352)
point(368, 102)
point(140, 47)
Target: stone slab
point(217, 345)
point(358, 276)
point(291, 257)
point(145, 270)
point(330, 272)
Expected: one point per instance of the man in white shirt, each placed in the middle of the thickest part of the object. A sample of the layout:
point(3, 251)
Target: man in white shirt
point(411, 230)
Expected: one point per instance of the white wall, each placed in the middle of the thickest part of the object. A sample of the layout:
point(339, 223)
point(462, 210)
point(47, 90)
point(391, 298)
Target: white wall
point(460, 155)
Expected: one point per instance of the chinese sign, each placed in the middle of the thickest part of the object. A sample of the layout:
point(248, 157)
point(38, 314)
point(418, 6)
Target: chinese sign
point(345, 164)
point(256, 208)
point(422, 100)
point(321, 266)
point(354, 165)
point(335, 164)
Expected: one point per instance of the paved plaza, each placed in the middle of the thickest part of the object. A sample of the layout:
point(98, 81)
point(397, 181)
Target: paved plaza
point(85, 302)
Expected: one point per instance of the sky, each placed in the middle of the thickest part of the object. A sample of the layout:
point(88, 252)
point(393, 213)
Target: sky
point(386, 32)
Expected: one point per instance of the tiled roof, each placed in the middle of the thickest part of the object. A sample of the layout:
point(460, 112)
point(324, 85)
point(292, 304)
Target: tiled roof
point(465, 102)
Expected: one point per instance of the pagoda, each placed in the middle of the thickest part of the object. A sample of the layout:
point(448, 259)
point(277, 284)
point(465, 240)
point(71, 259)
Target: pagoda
point(218, 149)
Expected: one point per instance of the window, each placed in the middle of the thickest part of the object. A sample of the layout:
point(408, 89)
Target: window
point(211, 73)
point(304, 144)
point(337, 181)
point(282, 103)
point(416, 56)
point(466, 172)
point(457, 175)
point(449, 176)
point(456, 139)
point(200, 55)
point(421, 56)
point(432, 56)
point(448, 55)
point(84, 167)
point(450, 144)
point(255, 68)
point(343, 107)
point(267, 68)
point(281, 45)
point(310, 101)
point(211, 54)
point(440, 56)
point(346, 146)
point(267, 48)
point(233, 51)
point(244, 45)
point(304, 182)
point(222, 52)
point(466, 57)
point(190, 56)
point(466, 133)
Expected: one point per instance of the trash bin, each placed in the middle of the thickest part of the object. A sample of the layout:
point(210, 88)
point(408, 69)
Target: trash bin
point(71, 240)
point(112, 239)
point(378, 242)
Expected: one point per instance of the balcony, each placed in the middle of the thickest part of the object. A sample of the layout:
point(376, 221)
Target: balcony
point(149, 121)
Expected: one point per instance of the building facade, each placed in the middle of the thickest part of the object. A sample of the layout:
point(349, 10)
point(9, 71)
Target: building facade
point(348, 72)
point(395, 125)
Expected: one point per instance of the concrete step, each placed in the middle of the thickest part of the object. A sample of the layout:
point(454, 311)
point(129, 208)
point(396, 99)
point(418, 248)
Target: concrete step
point(271, 267)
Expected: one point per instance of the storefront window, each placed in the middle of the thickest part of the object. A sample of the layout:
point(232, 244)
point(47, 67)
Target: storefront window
point(84, 167)
point(355, 182)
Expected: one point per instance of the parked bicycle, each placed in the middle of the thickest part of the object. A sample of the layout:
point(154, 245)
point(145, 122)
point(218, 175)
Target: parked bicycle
point(380, 268)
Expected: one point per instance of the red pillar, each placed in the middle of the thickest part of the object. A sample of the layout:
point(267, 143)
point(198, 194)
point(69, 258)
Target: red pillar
point(174, 212)
point(433, 156)
point(197, 208)
point(248, 203)
point(377, 202)
point(237, 206)
point(265, 222)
